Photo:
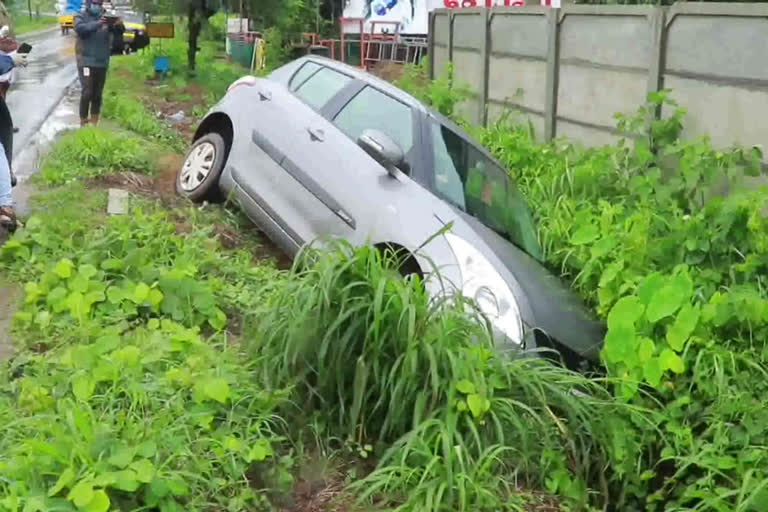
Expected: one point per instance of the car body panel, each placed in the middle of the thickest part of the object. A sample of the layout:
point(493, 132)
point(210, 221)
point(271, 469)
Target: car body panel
point(300, 178)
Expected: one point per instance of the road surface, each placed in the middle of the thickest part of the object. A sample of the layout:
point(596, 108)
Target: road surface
point(42, 84)
point(33, 101)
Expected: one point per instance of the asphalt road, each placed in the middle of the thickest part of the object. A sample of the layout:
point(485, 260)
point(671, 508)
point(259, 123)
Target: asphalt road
point(43, 102)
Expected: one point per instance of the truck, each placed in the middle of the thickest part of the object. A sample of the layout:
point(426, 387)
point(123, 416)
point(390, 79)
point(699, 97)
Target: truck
point(67, 11)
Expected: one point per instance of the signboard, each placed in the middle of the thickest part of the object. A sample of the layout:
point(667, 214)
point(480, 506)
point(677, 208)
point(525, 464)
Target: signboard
point(412, 16)
point(237, 25)
point(161, 30)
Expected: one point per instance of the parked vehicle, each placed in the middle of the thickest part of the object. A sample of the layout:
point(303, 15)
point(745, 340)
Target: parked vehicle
point(135, 36)
point(67, 11)
point(321, 149)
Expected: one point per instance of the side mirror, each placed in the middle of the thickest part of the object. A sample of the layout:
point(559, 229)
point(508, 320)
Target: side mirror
point(384, 150)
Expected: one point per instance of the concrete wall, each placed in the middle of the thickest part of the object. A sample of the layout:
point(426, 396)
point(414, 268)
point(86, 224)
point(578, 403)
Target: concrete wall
point(570, 70)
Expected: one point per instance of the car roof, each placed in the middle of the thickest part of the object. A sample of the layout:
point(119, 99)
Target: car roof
point(364, 76)
point(397, 93)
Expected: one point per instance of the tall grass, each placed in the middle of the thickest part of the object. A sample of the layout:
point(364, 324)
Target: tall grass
point(465, 423)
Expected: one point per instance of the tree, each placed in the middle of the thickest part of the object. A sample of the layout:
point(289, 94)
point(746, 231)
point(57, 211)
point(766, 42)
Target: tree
point(196, 12)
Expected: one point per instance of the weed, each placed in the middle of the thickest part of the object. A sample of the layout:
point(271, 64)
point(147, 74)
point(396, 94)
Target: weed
point(92, 152)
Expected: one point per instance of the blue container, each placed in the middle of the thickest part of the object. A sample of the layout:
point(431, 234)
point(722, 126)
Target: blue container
point(162, 64)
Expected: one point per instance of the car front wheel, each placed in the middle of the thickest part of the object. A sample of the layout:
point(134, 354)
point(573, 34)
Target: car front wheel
point(198, 179)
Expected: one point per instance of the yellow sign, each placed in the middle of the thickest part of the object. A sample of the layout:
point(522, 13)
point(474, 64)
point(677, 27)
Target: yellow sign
point(161, 30)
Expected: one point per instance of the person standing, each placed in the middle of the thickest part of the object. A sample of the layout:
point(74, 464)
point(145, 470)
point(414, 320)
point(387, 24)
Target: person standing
point(94, 46)
point(7, 213)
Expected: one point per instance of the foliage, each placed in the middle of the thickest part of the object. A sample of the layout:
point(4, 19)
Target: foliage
point(662, 236)
point(92, 152)
point(384, 363)
point(442, 94)
point(131, 394)
point(23, 24)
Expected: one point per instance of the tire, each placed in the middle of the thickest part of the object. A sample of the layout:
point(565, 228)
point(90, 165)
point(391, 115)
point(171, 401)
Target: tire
point(198, 178)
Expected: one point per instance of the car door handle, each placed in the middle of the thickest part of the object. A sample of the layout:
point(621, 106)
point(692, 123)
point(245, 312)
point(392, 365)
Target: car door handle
point(265, 96)
point(316, 134)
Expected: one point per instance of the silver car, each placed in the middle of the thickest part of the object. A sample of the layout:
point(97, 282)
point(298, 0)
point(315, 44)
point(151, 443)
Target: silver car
point(319, 149)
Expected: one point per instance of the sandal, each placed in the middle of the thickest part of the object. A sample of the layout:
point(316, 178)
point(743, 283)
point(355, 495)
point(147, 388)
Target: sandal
point(8, 219)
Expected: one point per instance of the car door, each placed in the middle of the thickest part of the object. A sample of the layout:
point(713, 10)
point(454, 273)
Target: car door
point(279, 166)
point(386, 209)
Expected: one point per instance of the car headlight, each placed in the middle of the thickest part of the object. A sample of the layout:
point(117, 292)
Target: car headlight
point(483, 284)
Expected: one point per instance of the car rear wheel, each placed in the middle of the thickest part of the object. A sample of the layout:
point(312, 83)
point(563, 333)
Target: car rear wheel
point(198, 179)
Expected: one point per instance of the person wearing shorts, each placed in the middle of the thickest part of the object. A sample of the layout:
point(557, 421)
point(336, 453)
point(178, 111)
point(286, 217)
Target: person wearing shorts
point(94, 46)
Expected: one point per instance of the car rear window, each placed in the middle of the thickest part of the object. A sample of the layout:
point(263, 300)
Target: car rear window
point(302, 74)
point(318, 89)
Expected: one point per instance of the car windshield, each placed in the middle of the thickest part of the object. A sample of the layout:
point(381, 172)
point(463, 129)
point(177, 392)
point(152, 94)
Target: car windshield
point(474, 183)
point(132, 18)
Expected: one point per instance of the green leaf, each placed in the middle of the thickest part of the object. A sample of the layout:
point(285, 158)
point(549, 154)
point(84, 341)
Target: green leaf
point(625, 312)
point(257, 453)
point(465, 386)
point(585, 234)
point(649, 286)
point(147, 449)
point(155, 297)
point(122, 457)
point(126, 480)
point(645, 350)
point(78, 284)
point(83, 387)
point(145, 470)
point(64, 268)
point(87, 271)
point(233, 444)
point(65, 479)
point(99, 503)
point(81, 494)
point(685, 323)
point(652, 372)
point(671, 361)
point(618, 343)
point(141, 293)
point(668, 299)
point(477, 405)
point(217, 319)
point(216, 389)
point(115, 295)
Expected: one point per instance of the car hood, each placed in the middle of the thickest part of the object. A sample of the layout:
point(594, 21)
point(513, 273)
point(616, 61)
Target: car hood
point(557, 310)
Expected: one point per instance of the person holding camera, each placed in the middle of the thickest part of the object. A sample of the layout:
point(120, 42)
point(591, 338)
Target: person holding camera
point(95, 31)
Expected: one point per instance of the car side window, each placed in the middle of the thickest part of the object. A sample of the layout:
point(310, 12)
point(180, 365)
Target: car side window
point(302, 74)
point(372, 109)
point(474, 183)
point(318, 89)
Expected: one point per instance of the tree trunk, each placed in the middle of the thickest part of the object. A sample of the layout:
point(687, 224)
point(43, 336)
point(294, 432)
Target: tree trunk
point(194, 33)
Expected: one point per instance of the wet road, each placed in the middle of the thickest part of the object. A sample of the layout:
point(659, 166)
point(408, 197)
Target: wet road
point(41, 86)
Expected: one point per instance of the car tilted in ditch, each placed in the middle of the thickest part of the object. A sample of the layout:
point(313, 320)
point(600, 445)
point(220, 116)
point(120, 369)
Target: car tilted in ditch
point(319, 149)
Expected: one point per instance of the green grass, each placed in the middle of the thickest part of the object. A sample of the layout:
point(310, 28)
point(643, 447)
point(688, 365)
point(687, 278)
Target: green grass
point(22, 24)
point(93, 152)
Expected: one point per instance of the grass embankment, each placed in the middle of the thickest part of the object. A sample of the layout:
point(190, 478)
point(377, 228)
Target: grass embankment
point(166, 363)
point(23, 24)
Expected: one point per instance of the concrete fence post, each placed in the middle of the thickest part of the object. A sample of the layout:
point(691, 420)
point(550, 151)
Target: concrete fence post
point(551, 81)
point(485, 62)
point(451, 17)
point(431, 45)
point(657, 23)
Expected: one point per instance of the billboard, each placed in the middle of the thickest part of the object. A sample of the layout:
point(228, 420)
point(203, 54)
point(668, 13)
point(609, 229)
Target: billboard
point(412, 16)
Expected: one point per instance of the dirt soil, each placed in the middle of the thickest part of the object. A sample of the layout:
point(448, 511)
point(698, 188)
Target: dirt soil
point(389, 71)
point(162, 188)
point(9, 300)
